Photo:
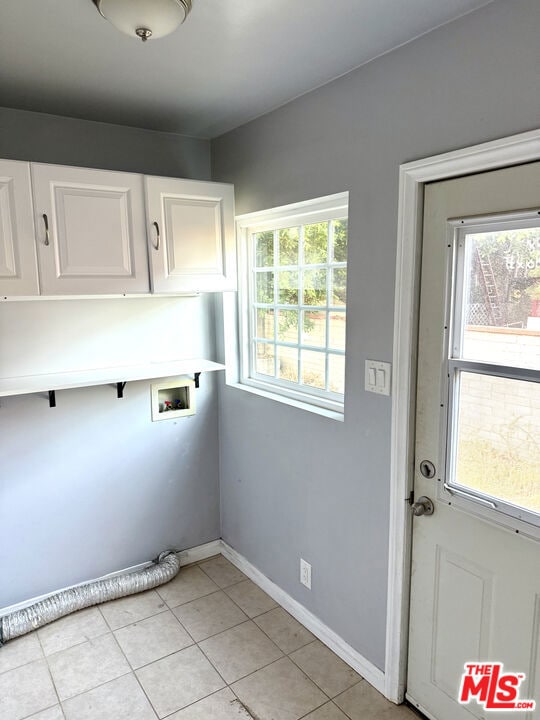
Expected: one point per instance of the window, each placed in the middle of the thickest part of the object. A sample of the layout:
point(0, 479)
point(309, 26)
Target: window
point(494, 366)
point(293, 308)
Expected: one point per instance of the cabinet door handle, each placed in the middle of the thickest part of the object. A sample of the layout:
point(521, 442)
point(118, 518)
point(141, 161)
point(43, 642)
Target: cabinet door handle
point(158, 236)
point(47, 233)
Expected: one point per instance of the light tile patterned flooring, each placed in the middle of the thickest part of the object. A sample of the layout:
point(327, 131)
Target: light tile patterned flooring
point(209, 645)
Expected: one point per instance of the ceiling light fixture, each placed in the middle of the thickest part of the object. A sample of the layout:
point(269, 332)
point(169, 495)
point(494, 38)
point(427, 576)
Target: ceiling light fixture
point(145, 18)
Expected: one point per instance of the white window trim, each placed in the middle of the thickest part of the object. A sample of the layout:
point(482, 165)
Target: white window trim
point(302, 213)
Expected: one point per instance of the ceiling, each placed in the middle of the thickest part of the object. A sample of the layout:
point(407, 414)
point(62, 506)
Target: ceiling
point(231, 61)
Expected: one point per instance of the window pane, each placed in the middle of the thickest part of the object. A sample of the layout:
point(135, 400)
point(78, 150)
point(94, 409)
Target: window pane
point(288, 363)
point(313, 369)
point(337, 330)
point(288, 246)
point(295, 297)
point(498, 438)
point(314, 329)
point(288, 326)
point(316, 243)
point(315, 287)
point(339, 286)
point(264, 287)
point(336, 373)
point(264, 359)
point(288, 288)
point(264, 248)
point(340, 240)
point(265, 324)
point(502, 297)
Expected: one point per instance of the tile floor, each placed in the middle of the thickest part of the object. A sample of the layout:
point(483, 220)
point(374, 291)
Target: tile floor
point(209, 645)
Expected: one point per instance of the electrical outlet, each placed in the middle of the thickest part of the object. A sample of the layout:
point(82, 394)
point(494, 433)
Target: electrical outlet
point(305, 573)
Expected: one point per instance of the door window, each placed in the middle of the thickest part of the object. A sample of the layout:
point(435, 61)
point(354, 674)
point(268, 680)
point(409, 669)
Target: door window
point(494, 366)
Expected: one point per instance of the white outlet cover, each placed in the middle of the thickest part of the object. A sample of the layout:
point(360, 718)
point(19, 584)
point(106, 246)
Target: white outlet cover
point(305, 573)
point(378, 377)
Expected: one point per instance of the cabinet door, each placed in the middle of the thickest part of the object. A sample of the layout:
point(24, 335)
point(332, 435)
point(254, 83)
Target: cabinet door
point(18, 267)
point(191, 232)
point(91, 234)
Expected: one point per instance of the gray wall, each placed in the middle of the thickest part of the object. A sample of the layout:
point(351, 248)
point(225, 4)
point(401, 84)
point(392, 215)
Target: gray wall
point(93, 486)
point(39, 137)
point(294, 484)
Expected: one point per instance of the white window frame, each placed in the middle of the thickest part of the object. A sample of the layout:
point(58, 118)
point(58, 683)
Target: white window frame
point(311, 211)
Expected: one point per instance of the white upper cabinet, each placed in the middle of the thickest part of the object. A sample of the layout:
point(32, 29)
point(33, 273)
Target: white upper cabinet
point(90, 231)
point(191, 235)
point(18, 268)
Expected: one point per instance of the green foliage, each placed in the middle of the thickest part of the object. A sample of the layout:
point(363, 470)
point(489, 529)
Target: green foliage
point(281, 250)
point(288, 246)
point(264, 249)
point(341, 229)
point(515, 259)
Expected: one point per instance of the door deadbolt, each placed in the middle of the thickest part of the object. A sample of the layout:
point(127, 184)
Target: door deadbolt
point(423, 506)
point(427, 468)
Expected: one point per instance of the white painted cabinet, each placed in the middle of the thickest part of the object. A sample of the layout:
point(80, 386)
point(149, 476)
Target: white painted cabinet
point(90, 231)
point(18, 267)
point(191, 235)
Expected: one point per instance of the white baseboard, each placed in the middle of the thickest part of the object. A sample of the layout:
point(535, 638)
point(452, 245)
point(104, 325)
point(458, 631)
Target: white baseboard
point(364, 667)
point(200, 552)
point(195, 554)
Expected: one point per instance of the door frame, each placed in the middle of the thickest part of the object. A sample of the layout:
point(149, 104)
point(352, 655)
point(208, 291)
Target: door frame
point(512, 150)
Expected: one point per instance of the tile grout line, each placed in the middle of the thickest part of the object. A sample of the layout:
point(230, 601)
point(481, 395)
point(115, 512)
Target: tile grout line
point(50, 675)
point(195, 702)
point(145, 694)
point(356, 682)
point(123, 674)
point(331, 702)
point(171, 607)
point(287, 654)
point(212, 664)
point(24, 664)
point(218, 632)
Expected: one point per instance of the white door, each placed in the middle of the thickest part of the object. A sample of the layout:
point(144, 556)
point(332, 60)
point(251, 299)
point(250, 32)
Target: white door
point(191, 231)
point(91, 231)
point(475, 582)
point(18, 265)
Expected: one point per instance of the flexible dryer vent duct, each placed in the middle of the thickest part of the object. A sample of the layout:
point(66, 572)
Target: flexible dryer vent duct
point(56, 606)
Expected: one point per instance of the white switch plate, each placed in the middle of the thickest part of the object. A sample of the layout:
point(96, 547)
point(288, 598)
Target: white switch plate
point(378, 377)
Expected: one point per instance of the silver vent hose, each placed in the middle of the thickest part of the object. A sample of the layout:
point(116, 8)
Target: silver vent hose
point(20, 622)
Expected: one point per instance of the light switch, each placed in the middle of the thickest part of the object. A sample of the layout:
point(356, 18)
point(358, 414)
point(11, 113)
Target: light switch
point(377, 377)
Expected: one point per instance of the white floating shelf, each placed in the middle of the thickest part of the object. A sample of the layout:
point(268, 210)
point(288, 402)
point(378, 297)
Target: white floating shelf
point(26, 384)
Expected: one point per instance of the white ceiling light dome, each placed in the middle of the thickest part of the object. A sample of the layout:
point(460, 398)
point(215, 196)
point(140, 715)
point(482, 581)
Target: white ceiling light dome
point(145, 18)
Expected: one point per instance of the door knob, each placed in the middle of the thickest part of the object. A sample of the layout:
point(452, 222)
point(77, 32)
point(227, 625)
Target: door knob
point(423, 506)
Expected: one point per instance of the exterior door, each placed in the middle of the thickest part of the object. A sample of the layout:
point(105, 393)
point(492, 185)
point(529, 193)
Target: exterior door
point(91, 231)
point(191, 231)
point(18, 265)
point(475, 582)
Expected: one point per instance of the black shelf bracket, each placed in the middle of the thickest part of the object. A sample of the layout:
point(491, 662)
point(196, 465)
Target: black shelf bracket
point(52, 398)
point(120, 389)
point(196, 377)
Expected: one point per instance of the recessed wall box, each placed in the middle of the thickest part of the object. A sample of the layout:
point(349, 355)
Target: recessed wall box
point(173, 399)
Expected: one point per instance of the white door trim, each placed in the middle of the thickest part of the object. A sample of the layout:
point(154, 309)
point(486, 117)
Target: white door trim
point(512, 150)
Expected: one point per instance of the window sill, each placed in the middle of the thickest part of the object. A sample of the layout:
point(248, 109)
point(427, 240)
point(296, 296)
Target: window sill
point(293, 402)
